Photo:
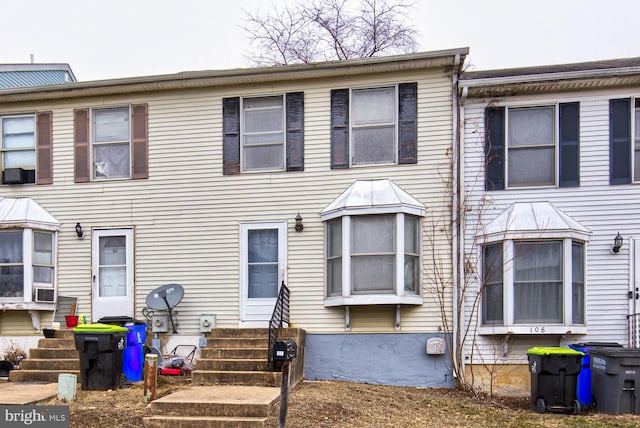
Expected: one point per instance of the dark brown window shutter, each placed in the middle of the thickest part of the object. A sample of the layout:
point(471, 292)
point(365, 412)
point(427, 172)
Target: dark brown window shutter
point(339, 128)
point(231, 136)
point(44, 147)
point(407, 123)
point(295, 131)
point(82, 172)
point(139, 142)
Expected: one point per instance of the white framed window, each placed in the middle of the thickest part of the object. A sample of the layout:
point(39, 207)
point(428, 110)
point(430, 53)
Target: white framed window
point(531, 146)
point(373, 259)
point(111, 137)
point(373, 246)
point(533, 286)
point(373, 122)
point(18, 145)
point(263, 133)
point(27, 259)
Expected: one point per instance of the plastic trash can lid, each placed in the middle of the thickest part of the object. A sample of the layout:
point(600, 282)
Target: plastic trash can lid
point(553, 350)
point(99, 328)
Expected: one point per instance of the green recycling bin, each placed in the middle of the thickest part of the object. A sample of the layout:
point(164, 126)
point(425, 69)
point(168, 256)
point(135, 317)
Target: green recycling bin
point(554, 377)
point(101, 347)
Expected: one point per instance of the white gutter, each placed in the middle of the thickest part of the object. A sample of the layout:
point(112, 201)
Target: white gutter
point(546, 77)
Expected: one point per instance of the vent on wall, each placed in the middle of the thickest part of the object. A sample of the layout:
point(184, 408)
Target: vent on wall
point(47, 295)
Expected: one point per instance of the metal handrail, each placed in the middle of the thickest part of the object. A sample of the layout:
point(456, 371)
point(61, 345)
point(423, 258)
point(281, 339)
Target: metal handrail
point(634, 330)
point(279, 318)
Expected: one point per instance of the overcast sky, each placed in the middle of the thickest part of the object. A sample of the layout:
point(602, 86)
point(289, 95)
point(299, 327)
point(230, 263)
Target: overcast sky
point(123, 38)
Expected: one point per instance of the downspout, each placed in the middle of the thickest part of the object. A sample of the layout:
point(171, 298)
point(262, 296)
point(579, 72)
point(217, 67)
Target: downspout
point(460, 223)
point(455, 210)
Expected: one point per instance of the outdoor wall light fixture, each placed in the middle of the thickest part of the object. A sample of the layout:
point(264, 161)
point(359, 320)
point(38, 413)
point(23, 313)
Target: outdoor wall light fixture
point(617, 244)
point(79, 231)
point(299, 225)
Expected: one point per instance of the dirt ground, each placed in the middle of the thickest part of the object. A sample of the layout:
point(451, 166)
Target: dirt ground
point(345, 404)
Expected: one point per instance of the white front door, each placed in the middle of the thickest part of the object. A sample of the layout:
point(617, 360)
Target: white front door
point(112, 273)
point(263, 268)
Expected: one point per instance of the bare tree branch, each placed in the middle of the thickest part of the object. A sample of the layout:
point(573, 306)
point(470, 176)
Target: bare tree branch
point(329, 30)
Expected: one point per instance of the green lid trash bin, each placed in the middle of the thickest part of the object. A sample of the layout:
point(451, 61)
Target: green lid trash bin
point(615, 380)
point(554, 376)
point(101, 348)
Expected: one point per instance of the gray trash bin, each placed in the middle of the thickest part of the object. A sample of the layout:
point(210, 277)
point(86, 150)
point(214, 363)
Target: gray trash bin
point(615, 380)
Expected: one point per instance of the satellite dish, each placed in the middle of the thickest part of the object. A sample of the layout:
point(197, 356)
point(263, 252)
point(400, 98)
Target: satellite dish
point(166, 297)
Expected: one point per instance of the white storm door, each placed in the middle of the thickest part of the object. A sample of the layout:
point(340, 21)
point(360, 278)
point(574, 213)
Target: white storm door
point(112, 275)
point(263, 258)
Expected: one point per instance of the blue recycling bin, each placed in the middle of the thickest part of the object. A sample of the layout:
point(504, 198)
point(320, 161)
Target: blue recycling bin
point(583, 388)
point(133, 357)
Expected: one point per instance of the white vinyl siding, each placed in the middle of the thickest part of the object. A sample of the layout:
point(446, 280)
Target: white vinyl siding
point(607, 276)
point(188, 204)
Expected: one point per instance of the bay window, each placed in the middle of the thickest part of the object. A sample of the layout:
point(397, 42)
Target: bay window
point(529, 286)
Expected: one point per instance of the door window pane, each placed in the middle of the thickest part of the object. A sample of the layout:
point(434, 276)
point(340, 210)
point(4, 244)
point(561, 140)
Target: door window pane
point(538, 282)
point(263, 263)
point(112, 266)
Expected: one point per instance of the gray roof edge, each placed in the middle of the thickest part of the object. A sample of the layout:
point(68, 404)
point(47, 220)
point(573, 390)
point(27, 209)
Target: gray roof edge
point(582, 70)
point(251, 74)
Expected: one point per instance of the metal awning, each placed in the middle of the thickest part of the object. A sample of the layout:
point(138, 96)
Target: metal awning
point(25, 213)
point(530, 220)
point(373, 197)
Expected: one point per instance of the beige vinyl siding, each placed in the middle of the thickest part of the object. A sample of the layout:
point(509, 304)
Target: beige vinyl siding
point(602, 208)
point(186, 216)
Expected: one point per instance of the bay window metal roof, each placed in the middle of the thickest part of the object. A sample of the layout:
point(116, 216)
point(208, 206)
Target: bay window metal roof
point(25, 213)
point(373, 197)
point(531, 220)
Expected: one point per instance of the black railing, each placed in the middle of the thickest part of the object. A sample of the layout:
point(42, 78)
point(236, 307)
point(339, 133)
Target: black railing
point(634, 330)
point(279, 319)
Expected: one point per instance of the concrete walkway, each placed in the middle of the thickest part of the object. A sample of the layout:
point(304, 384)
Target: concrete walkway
point(22, 393)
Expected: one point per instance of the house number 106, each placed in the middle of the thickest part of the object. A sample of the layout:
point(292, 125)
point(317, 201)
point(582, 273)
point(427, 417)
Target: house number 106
point(537, 329)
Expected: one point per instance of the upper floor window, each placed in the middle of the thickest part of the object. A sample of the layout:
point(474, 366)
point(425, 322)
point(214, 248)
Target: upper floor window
point(18, 148)
point(532, 146)
point(111, 143)
point(264, 133)
point(624, 140)
point(263, 124)
point(375, 125)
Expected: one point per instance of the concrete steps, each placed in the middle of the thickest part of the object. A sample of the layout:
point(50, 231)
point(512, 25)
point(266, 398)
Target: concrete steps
point(52, 357)
point(233, 388)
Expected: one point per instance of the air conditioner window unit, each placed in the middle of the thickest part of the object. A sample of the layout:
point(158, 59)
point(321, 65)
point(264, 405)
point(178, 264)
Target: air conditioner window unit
point(14, 176)
point(44, 295)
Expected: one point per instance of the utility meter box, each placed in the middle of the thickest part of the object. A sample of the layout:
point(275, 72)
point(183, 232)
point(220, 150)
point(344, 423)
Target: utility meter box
point(285, 350)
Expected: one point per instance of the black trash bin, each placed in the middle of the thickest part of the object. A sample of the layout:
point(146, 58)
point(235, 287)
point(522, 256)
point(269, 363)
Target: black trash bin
point(554, 376)
point(615, 380)
point(101, 348)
